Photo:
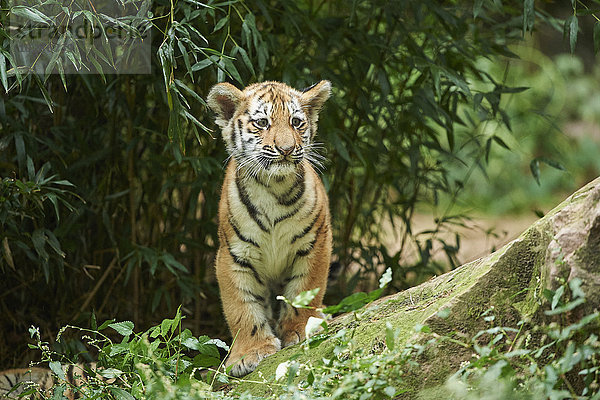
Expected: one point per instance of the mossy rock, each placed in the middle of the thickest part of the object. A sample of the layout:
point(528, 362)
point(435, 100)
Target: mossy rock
point(563, 245)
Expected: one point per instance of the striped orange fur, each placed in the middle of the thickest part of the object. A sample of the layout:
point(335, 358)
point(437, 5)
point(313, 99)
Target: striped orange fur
point(274, 224)
point(14, 382)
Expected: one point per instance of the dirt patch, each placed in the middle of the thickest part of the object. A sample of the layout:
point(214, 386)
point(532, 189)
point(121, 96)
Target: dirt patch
point(479, 236)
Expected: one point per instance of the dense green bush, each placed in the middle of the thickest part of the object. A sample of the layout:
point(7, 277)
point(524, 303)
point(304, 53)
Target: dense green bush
point(135, 234)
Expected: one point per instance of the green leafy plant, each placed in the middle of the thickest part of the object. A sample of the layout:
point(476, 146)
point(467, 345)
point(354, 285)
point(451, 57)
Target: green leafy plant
point(29, 213)
point(556, 358)
point(127, 361)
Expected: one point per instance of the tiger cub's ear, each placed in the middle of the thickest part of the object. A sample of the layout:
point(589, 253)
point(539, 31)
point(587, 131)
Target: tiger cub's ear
point(312, 99)
point(223, 99)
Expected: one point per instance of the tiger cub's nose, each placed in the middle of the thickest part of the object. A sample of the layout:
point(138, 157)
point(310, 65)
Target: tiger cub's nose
point(285, 150)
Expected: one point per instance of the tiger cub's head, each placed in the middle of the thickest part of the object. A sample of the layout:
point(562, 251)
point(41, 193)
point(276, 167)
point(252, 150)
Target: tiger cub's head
point(268, 127)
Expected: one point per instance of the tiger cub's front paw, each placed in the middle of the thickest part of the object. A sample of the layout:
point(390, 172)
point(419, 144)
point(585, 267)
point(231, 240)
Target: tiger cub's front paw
point(291, 338)
point(245, 358)
point(292, 329)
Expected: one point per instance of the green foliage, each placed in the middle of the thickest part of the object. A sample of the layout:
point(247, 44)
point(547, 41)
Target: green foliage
point(559, 358)
point(29, 213)
point(137, 230)
point(553, 135)
point(359, 299)
point(351, 372)
point(131, 364)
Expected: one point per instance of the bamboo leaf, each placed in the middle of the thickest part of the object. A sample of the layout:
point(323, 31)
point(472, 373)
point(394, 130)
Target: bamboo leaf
point(500, 142)
point(186, 59)
point(572, 28)
point(54, 243)
point(3, 75)
point(38, 238)
point(8, 253)
point(528, 15)
point(45, 93)
point(596, 36)
point(221, 23)
point(31, 14)
point(246, 60)
point(552, 163)
point(534, 166)
point(477, 5)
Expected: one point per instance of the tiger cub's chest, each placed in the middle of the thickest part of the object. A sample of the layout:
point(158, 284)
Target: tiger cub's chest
point(271, 220)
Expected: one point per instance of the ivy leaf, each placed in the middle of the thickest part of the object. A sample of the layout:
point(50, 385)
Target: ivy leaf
point(556, 298)
point(575, 286)
point(218, 343)
point(353, 302)
point(192, 343)
point(313, 324)
point(282, 370)
point(165, 325)
point(124, 328)
point(390, 391)
point(119, 348)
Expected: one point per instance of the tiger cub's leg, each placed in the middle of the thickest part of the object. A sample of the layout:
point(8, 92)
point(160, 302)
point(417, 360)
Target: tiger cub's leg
point(245, 306)
point(308, 273)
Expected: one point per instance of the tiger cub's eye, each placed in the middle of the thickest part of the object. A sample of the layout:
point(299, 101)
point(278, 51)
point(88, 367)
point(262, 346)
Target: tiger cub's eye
point(262, 123)
point(296, 122)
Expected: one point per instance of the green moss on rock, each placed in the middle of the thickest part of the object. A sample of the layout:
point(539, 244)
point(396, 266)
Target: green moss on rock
point(511, 280)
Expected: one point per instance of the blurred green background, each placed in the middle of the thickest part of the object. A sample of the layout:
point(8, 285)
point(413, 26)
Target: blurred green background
point(557, 117)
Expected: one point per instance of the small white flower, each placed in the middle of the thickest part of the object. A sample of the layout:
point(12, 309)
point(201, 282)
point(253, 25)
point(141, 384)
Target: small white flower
point(282, 370)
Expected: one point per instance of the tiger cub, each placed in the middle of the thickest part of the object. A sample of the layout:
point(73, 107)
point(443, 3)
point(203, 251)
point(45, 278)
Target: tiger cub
point(274, 228)
point(14, 382)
